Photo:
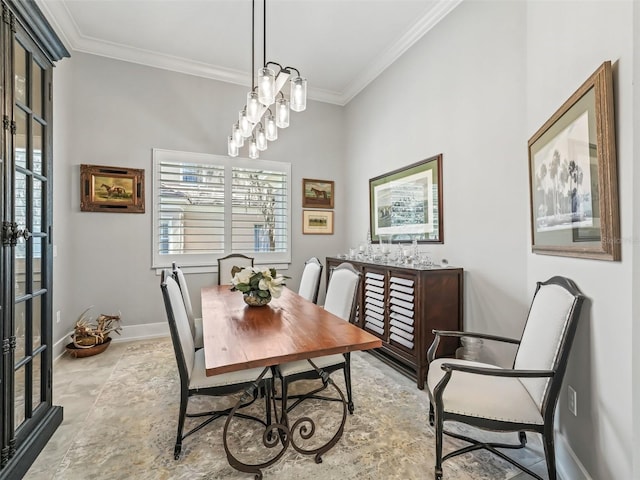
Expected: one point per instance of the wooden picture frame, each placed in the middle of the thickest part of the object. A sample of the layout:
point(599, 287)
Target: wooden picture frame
point(111, 189)
point(317, 222)
point(573, 186)
point(406, 204)
point(317, 193)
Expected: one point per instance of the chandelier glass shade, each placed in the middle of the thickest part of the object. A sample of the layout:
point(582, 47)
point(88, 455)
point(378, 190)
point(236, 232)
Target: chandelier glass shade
point(257, 123)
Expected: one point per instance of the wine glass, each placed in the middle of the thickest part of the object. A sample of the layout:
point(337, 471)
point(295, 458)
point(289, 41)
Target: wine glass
point(385, 248)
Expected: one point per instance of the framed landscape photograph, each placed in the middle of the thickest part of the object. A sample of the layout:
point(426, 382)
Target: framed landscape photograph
point(406, 204)
point(317, 222)
point(111, 189)
point(317, 193)
point(573, 176)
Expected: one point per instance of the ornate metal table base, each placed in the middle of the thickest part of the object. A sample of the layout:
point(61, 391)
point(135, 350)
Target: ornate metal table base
point(281, 431)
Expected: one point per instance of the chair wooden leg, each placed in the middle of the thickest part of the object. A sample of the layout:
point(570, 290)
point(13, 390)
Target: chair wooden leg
point(549, 451)
point(184, 400)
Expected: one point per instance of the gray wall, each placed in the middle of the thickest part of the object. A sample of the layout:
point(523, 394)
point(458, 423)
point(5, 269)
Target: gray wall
point(109, 112)
point(475, 88)
point(460, 95)
point(566, 42)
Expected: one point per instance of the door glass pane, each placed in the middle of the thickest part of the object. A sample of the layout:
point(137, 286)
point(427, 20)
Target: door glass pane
point(20, 74)
point(20, 215)
point(38, 247)
point(36, 322)
point(20, 273)
point(38, 132)
point(19, 396)
point(21, 138)
point(37, 206)
point(36, 393)
point(37, 89)
point(20, 332)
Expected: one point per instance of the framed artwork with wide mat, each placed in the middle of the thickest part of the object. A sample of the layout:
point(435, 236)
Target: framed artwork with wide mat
point(573, 182)
point(406, 204)
point(317, 222)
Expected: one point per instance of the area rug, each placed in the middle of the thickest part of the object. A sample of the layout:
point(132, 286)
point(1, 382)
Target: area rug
point(130, 431)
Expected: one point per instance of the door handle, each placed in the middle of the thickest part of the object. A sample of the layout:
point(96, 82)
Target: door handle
point(26, 234)
point(11, 233)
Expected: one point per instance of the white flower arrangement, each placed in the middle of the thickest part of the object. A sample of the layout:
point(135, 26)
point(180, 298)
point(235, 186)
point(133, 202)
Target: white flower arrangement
point(264, 282)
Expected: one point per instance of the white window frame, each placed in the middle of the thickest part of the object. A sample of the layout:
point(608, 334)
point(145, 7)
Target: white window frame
point(209, 262)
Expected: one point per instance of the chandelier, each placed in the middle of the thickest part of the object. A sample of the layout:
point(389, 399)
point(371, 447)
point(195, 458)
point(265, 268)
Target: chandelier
point(267, 108)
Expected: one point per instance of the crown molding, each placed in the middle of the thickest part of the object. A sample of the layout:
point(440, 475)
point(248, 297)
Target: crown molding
point(395, 51)
point(60, 18)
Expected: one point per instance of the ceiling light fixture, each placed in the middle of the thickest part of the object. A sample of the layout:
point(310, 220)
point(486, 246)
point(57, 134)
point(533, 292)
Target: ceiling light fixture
point(257, 123)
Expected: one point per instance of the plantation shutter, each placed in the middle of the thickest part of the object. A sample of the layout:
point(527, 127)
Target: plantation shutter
point(259, 210)
point(207, 206)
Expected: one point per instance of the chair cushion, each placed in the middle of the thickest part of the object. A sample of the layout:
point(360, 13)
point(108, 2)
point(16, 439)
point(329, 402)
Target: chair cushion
point(340, 293)
point(483, 396)
point(199, 377)
point(198, 339)
point(309, 281)
point(185, 338)
point(227, 263)
point(300, 366)
point(542, 336)
point(182, 283)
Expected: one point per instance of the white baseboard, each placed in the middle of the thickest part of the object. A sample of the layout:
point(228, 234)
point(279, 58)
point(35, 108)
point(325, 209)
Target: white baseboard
point(567, 463)
point(129, 333)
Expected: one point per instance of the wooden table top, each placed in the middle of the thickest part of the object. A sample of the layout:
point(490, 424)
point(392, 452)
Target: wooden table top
point(289, 328)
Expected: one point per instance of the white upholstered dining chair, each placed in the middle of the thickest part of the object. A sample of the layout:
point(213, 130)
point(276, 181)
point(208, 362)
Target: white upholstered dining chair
point(192, 371)
point(195, 324)
point(310, 280)
point(225, 264)
point(340, 300)
point(518, 399)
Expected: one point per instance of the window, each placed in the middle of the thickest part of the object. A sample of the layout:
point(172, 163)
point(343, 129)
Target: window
point(208, 206)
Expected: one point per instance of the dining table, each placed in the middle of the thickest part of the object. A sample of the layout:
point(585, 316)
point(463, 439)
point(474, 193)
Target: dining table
point(237, 336)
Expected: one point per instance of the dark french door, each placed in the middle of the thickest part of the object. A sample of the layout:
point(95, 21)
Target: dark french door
point(27, 412)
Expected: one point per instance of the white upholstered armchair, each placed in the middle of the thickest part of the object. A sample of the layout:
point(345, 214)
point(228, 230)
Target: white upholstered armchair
point(519, 399)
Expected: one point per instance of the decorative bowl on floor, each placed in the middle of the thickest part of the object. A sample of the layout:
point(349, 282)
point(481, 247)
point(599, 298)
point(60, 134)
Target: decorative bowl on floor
point(88, 351)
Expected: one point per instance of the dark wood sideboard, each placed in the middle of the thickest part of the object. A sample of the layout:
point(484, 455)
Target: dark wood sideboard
point(402, 305)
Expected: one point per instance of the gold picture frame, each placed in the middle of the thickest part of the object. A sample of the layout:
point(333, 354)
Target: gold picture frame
point(111, 189)
point(573, 184)
point(317, 222)
point(317, 193)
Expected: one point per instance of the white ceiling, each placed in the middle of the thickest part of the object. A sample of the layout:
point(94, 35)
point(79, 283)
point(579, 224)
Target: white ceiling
point(338, 45)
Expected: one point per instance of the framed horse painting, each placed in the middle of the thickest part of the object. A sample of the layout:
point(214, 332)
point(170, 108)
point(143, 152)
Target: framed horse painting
point(111, 189)
point(317, 193)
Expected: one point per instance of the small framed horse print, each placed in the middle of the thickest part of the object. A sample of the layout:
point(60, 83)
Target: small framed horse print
point(111, 189)
point(317, 193)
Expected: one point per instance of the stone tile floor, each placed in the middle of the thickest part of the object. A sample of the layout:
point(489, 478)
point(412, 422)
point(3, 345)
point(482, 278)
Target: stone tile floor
point(120, 416)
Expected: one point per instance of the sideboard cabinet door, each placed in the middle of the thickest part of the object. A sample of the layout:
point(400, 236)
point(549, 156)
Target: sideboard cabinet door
point(402, 306)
